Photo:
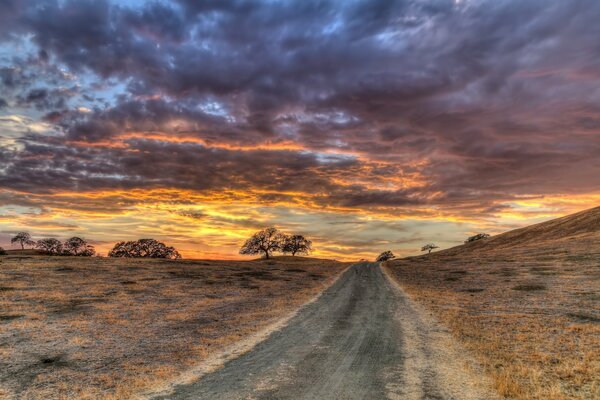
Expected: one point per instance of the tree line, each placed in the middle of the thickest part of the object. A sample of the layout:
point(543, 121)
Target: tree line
point(74, 246)
point(270, 240)
point(265, 242)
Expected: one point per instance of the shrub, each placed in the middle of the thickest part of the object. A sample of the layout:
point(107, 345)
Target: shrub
point(477, 237)
point(428, 247)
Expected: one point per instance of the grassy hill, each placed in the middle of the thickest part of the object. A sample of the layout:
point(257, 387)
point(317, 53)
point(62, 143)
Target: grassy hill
point(525, 302)
point(576, 235)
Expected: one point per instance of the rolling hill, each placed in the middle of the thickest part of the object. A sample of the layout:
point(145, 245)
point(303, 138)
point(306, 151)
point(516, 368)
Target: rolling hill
point(575, 234)
point(525, 302)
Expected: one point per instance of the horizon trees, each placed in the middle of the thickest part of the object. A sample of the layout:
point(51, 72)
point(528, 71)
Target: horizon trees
point(265, 241)
point(50, 246)
point(74, 246)
point(296, 244)
point(269, 240)
point(23, 238)
point(77, 246)
point(385, 256)
point(144, 248)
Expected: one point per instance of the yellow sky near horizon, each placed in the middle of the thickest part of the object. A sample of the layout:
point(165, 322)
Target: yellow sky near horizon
point(213, 226)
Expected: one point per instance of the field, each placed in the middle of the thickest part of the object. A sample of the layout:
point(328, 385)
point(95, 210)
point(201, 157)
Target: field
point(526, 303)
point(113, 328)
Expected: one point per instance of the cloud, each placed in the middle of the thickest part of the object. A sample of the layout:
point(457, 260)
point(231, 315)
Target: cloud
point(430, 107)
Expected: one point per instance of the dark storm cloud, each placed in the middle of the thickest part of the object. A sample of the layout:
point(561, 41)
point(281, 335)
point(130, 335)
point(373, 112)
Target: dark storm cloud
point(480, 101)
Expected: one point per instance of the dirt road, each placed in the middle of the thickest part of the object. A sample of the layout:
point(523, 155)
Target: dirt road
point(362, 339)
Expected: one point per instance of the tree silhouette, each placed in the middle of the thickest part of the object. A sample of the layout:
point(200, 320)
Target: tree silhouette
point(144, 248)
point(2, 252)
point(266, 241)
point(428, 247)
point(23, 238)
point(49, 246)
point(77, 246)
point(385, 256)
point(296, 244)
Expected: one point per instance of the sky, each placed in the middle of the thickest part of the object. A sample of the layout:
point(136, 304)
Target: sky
point(365, 125)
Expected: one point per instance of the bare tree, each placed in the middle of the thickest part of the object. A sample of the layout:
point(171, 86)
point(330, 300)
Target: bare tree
point(428, 247)
point(49, 246)
point(144, 248)
point(77, 246)
point(266, 241)
point(477, 237)
point(385, 256)
point(296, 244)
point(24, 239)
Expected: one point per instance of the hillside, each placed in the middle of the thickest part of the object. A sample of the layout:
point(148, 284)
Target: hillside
point(577, 233)
point(525, 302)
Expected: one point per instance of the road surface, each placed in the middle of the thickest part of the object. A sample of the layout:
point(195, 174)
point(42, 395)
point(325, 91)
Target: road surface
point(362, 339)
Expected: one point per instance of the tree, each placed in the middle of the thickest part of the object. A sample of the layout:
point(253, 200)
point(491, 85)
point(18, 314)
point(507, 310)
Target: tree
point(144, 248)
point(77, 246)
point(49, 246)
point(296, 244)
point(477, 237)
point(385, 256)
point(428, 247)
point(24, 239)
point(2, 252)
point(266, 241)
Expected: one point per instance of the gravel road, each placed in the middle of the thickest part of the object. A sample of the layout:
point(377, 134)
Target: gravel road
point(362, 339)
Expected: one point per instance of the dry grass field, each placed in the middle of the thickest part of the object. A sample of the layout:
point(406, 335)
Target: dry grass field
point(526, 303)
point(111, 328)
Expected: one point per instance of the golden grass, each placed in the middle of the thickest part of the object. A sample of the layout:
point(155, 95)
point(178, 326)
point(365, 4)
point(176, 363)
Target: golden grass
point(528, 309)
point(111, 328)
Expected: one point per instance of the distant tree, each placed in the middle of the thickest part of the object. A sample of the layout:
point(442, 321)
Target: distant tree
point(428, 247)
point(2, 252)
point(477, 237)
point(49, 246)
point(24, 239)
point(77, 246)
point(266, 241)
point(144, 248)
point(296, 244)
point(385, 256)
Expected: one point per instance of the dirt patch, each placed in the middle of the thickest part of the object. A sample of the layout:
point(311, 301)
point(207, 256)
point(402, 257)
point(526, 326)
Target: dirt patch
point(472, 290)
point(581, 317)
point(529, 287)
point(10, 317)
